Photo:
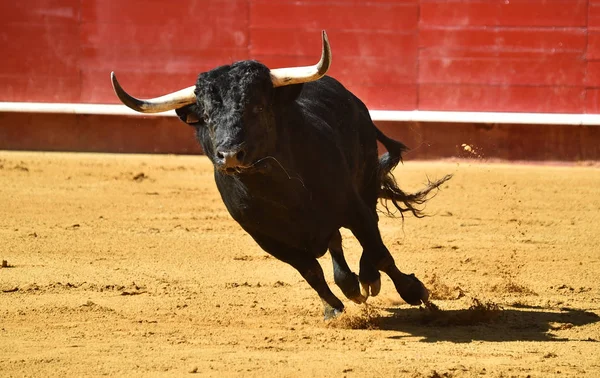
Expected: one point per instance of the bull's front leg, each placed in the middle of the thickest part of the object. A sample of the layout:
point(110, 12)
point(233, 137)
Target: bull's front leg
point(310, 269)
point(312, 272)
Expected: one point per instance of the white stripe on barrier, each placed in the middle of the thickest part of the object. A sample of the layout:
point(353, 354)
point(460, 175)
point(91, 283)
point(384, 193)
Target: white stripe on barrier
point(487, 117)
point(62, 108)
point(376, 115)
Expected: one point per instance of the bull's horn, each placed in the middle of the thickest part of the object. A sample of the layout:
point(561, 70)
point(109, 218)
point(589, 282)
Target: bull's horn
point(171, 101)
point(296, 75)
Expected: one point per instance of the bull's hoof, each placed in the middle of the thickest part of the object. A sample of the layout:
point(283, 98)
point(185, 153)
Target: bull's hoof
point(359, 298)
point(370, 288)
point(413, 291)
point(349, 285)
point(330, 312)
point(370, 279)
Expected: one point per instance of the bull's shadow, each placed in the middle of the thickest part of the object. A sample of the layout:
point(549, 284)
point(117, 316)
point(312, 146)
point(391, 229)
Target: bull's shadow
point(523, 323)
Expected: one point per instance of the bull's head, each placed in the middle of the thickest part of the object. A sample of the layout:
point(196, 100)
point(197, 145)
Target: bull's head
point(234, 108)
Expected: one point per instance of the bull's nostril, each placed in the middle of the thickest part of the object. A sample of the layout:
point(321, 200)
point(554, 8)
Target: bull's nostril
point(229, 158)
point(240, 155)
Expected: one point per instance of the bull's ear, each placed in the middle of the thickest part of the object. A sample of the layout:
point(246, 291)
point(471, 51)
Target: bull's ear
point(189, 115)
point(287, 94)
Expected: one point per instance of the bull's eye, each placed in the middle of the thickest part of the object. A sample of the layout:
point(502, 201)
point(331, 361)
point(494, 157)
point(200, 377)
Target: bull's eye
point(258, 109)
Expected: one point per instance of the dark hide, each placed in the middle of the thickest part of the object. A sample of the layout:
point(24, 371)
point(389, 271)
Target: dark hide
point(306, 164)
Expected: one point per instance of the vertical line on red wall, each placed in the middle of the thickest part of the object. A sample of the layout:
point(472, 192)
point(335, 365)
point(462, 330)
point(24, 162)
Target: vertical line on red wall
point(418, 58)
point(248, 29)
point(79, 52)
point(585, 57)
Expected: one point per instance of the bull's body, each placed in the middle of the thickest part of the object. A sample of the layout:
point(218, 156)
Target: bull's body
point(326, 159)
point(296, 162)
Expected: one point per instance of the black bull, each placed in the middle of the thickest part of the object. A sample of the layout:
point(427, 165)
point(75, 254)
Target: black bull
point(295, 159)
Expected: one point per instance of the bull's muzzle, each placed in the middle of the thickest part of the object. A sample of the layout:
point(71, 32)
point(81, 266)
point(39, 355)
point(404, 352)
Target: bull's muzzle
point(230, 160)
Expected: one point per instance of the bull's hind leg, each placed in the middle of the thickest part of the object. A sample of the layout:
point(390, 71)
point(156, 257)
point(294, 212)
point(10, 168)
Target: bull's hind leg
point(369, 277)
point(343, 276)
point(363, 225)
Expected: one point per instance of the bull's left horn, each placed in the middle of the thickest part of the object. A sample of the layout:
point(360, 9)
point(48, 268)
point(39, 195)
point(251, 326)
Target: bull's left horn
point(297, 75)
point(170, 101)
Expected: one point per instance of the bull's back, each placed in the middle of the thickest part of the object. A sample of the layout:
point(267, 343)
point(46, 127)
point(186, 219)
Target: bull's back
point(347, 122)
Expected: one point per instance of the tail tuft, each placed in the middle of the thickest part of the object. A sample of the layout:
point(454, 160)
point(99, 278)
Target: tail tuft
point(403, 201)
point(389, 187)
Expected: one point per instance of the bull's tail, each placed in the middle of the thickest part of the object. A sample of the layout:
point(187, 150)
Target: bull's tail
point(389, 190)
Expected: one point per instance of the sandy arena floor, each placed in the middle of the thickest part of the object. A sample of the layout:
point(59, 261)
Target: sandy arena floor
point(129, 265)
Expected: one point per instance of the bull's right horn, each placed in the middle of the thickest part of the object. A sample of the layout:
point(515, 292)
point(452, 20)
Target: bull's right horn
point(297, 75)
point(164, 103)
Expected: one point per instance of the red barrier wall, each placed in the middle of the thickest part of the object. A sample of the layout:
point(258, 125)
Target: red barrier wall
point(430, 140)
point(480, 55)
